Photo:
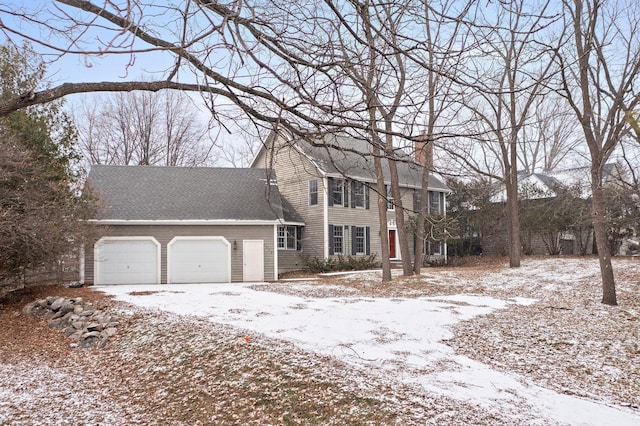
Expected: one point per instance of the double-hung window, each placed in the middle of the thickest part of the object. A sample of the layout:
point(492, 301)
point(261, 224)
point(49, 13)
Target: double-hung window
point(358, 195)
point(360, 240)
point(389, 197)
point(337, 239)
point(337, 192)
point(435, 206)
point(313, 192)
point(288, 237)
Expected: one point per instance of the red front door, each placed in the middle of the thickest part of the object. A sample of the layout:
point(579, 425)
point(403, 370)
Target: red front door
point(392, 244)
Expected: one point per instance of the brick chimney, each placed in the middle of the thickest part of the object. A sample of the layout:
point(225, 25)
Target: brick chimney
point(423, 151)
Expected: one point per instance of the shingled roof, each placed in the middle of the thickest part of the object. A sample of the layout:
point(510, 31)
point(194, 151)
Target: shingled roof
point(355, 160)
point(152, 193)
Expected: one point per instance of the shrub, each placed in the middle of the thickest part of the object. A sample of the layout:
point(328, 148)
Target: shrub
point(340, 263)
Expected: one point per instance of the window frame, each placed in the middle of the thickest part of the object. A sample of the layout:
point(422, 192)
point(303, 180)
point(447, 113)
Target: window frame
point(313, 192)
point(391, 206)
point(360, 240)
point(338, 186)
point(285, 235)
point(341, 239)
point(358, 193)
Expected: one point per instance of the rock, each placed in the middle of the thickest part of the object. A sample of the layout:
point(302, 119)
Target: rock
point(57, 304)
point(109, 332)
point(67, 307)
point(88, 342)
point(102, 319)
point(94, 326)
point(89, 334)
point(77, 335)
point(56, 323)
point(75, 284)
point(89, 327)
point(66, 319)
point(30, 308)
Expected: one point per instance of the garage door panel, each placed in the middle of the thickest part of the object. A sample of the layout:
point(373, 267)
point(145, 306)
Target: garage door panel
point(127, 262)
point(198, 260)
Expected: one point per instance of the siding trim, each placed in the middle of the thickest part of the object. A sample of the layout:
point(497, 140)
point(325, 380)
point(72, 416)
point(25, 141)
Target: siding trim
point(325, 217)
point(275, 252)
point(193, 222)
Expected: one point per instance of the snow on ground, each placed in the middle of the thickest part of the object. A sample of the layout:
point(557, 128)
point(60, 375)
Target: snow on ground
point(397, 338)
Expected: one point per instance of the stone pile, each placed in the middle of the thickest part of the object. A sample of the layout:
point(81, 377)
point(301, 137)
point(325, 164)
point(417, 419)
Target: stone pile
point(87, 327)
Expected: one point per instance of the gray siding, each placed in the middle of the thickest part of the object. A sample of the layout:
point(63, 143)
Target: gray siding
point(289, 260)
point(165, 233)
point(294, 171)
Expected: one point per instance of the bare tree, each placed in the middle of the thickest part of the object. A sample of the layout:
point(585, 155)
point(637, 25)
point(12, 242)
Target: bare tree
point(442, 55)
point(143, 128)
point(509, 74)
point(600, 78)
point(550, 138)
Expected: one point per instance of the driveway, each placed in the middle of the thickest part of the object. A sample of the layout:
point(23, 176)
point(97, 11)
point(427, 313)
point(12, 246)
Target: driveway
point(399, 339)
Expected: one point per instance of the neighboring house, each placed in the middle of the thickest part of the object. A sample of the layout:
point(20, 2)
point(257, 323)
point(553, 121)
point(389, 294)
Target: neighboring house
point(537, 187)
point(185, 225)
point(332, 189)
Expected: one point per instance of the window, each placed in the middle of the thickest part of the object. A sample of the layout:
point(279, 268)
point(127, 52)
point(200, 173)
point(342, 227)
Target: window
point(389, 197)
point(313, 192)
point(359, 195)
point(432, 248)
point(435, 206)
point(288, 237)
point(337, 195)
point(417, 195)
point(360, 240)
point(337, 239)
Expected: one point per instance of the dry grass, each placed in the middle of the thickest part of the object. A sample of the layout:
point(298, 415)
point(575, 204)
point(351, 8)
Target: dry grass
point(166, 369)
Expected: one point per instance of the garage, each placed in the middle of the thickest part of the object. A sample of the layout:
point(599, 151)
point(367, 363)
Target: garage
point(127, 260)
point(198, 260)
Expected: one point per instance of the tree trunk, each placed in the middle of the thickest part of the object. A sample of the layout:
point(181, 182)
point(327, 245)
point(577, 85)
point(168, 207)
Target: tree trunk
point(424, 194)
point(513, 221)
point(382, 216)
point(405, 253)
point(600, 236)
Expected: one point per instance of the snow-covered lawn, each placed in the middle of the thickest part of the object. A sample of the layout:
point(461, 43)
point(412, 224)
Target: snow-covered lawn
point(402, 332)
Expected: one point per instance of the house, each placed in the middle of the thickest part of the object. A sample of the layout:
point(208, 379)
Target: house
point(331, 185)
point(538, 191)
point(185, 225)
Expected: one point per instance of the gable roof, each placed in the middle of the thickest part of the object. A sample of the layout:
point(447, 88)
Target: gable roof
point(341, 155)
point(154, 193)
point(544, 185)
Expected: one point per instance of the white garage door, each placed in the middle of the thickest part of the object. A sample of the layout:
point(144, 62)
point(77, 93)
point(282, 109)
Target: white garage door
point(198, 260)
point(127, 261)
